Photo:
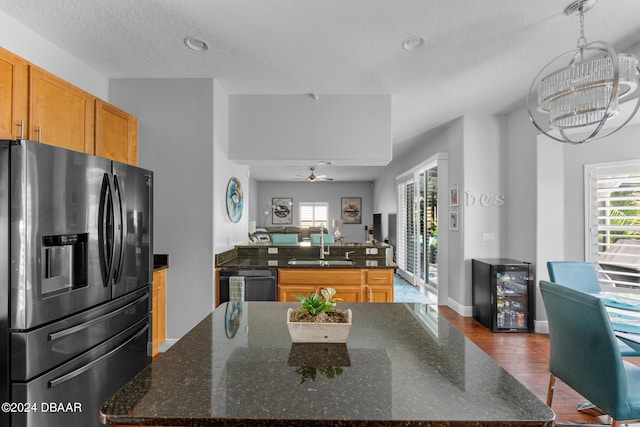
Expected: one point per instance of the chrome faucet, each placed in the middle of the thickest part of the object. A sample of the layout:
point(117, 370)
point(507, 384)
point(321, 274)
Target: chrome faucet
point(322, 251)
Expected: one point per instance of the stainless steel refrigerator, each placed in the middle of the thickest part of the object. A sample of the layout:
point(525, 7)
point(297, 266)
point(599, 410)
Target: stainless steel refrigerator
point(76, 264)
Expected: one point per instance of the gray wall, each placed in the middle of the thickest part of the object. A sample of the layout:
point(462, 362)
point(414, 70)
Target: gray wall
point(176, 142)
point(329, 192)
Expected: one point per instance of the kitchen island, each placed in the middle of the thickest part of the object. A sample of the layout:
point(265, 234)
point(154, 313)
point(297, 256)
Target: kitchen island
point(403, 364)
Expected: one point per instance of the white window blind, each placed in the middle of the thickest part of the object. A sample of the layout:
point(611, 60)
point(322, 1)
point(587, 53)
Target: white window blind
point(613, 222)
point(401, 239)
point(314, 214)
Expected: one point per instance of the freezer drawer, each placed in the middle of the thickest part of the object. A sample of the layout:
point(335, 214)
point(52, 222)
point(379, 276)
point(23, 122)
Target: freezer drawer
point(81, 386)
point(41, 349)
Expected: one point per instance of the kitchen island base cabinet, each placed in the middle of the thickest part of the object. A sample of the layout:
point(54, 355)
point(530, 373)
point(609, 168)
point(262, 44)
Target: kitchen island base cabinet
point(351, 285)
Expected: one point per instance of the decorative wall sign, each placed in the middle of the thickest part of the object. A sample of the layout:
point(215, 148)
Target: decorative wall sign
point(351, 208)
point(282, 211)
point(234, 199)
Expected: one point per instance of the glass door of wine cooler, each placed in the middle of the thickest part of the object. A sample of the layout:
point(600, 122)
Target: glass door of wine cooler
point(512, 299)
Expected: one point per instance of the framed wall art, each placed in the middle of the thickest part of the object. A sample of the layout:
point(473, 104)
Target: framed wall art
point(234, 199)
point(282, 212)
point(351, 208)
point(453, 220)
point(453, 196)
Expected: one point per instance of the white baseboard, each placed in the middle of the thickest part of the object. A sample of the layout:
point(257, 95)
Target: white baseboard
point(462, 310)
point(541, 327)
point(166, 345)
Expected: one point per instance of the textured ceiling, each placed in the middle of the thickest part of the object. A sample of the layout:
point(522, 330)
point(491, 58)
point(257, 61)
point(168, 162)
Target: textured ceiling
point(480, 55)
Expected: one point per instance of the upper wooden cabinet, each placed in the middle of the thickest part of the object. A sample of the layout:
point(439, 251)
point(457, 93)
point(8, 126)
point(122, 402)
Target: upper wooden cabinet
point(116, 134)
point(37, 105)
point(61, 114)
point(14, 92)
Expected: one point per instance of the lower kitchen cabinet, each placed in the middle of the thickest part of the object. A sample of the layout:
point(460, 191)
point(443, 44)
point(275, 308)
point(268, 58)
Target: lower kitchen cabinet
point(351, 285)
point(378, 285)
point(159, 310)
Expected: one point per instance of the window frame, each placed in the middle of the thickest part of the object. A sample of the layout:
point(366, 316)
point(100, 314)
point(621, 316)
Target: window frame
point(617, 267)
point(314, 206)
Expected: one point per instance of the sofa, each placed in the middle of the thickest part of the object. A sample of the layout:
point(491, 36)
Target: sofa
point(266, 233)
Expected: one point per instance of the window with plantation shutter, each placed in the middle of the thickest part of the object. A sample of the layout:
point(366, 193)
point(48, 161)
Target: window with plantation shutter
point(314, 214)
point(612, 195)
point(401, 238)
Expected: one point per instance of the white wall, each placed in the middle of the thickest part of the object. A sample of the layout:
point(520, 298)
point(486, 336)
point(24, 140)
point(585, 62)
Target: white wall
point(329, 192)
point(226, 233)
point(346, 129)
point(175, 119)
point(27, 44)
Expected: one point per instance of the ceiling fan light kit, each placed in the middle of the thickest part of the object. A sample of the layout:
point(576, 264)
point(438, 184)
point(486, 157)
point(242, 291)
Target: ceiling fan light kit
point(582, 89)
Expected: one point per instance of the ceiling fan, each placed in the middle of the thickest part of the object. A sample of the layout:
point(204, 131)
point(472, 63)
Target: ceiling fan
point(313, 177)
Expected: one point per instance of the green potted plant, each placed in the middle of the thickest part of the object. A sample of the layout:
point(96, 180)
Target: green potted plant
point(318, 320)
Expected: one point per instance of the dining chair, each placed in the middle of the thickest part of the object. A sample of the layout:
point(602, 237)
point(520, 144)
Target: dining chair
point(581, 276)
point(284, 239)
point(585, 356)
point(328, 239)
point(578, 275)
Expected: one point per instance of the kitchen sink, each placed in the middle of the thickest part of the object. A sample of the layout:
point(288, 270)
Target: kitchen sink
point(321, 262)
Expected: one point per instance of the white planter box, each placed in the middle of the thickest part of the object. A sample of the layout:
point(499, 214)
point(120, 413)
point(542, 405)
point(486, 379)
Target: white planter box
point(319, 332)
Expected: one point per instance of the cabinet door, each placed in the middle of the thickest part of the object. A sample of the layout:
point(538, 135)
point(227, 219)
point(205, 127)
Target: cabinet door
point(116, 134)
point(349, 293)
point(14, 96)
point(378, 294)
point(60, 113)
point(159, 308)
point(379, 285)
point(287, 292)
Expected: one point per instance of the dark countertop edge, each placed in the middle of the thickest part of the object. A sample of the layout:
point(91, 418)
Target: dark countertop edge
point(233, 263)
point(243, 422)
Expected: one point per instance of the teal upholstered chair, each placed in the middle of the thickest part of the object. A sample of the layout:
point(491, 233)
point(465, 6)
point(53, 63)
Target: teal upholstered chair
point(584, 353)
point(575, 274)
point(284, 239)
point(315, 239)
point(583, 277)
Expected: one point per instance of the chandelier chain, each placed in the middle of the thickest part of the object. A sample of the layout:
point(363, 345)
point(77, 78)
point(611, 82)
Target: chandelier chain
point(582, 40)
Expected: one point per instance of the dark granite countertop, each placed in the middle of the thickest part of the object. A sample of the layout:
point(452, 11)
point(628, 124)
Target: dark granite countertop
point(403, 365)
point(265, 262)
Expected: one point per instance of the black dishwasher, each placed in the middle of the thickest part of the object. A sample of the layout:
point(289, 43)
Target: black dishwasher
point(256, 285)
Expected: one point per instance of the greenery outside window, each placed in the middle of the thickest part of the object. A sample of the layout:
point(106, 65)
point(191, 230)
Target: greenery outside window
point(612, 195)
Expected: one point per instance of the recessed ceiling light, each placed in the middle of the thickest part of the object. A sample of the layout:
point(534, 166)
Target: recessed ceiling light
point(413, 43)
point(196, 44)
point(324, 163)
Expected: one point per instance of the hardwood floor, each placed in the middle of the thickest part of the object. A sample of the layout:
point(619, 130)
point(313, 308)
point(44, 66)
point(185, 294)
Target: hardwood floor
point(526, 357)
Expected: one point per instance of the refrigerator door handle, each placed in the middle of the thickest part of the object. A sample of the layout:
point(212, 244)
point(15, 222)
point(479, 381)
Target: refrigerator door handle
point(68, 376)
point(105, 232)
point(119, 230)
point(72, 330)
